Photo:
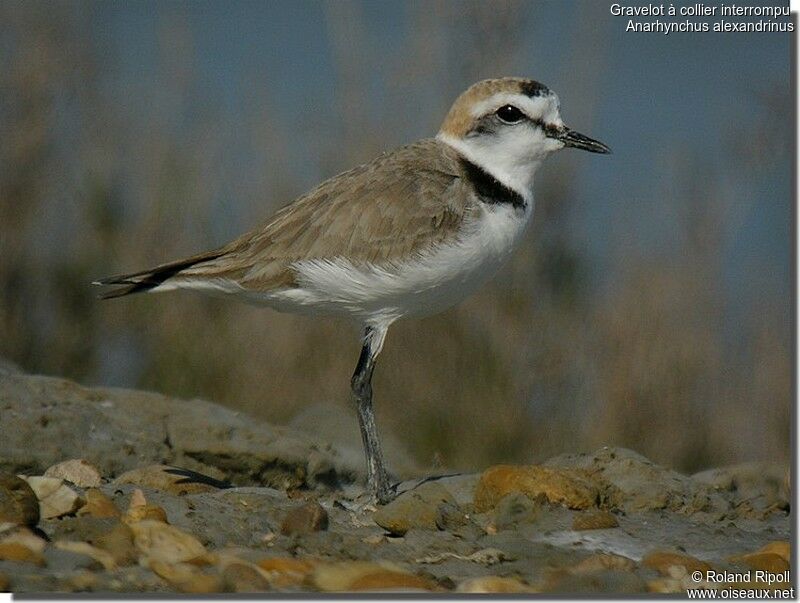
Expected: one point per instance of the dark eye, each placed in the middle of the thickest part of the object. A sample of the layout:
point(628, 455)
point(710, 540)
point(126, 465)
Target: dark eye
point(510, 114)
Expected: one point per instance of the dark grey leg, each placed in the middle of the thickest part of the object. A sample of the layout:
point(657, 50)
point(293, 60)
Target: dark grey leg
point(361, 383)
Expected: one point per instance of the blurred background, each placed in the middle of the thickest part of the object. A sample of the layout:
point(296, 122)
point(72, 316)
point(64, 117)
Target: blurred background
point(650, 305)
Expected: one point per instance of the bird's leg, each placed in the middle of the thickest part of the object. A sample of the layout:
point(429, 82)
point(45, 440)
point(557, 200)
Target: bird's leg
point(361, 383)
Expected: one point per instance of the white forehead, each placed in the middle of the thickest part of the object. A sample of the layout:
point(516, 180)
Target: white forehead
point(544, 106)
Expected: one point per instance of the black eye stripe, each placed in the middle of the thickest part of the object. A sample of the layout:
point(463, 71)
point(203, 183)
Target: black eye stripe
point(548, 129)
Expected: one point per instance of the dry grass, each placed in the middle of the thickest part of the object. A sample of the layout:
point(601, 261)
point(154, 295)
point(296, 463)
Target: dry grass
point(539, 362)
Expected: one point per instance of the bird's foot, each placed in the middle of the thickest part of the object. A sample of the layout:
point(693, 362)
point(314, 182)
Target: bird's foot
point(381, 490)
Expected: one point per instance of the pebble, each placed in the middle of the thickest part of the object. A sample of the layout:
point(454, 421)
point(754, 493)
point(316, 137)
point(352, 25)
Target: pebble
point(5, 583)
point(494, 584)
point(769, 562)
point(78, 471)
point(18, 502)
point(417, 508)
point(569, 487)
point(187, 578)
point(662, 561)
point(14, 551)
point(162, 542)
point(310, 517)
point(363, 575)
point(56, 498)
point(23, 536)
point(596, 520)
point(391, 580)
point(604, 561)
point(170, 479)
point(99, 505)
point(82, 581)
point(139, 509)
point(779, 547)
point(286, 571)
point(241, 577)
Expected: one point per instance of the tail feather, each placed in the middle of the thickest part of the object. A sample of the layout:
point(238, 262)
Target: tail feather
point(145, 280)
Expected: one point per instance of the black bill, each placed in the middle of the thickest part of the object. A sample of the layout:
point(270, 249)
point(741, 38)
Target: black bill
point(574, 139)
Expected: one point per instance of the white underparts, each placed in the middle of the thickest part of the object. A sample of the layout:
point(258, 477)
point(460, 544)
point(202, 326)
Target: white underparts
point(424, 284)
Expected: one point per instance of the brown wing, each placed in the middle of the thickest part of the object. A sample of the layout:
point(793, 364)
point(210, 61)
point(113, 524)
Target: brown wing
point(399, 204)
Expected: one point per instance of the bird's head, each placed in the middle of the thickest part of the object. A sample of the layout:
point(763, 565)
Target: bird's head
point(508, 126)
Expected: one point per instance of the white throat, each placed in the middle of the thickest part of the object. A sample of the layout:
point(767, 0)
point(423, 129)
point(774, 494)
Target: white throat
point(509, 166)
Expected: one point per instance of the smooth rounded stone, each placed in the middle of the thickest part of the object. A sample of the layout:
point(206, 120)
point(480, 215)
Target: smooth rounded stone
point(162, 542)
point(78, 471)
point(24, 536)
point(170, 479)
point(663, 561)
point(594, 520)
point(18, 502)
point(139, 509)
point(494, 584)
point(84, 581)
point(307, 518)
point(604, 561)
point(187, 578)
point(99, 505)
point(417, 508)
point(56, 498)
point(241, 577)
point(142, 512)
point(391, 580)
point(572, 488)
point(364, 575)
point(513, 510)
point(102, 557)
point(15, 551)
point(768, 562)
point(284, 572)
point(779, 547)
point(5, 583)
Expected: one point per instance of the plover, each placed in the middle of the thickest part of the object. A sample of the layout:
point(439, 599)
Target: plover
point(408, 234)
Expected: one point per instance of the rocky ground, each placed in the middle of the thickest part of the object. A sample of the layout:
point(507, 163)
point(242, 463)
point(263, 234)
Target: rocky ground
point(125, 491)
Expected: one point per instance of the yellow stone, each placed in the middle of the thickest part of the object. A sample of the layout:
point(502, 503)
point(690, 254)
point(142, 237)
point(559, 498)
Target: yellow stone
point(597, 520)
point(162, 542)
point(494, 584)
point(14, 551)
point(572, 488)
point(99, 505)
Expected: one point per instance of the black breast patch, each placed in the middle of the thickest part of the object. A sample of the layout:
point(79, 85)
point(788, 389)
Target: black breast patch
point(489, 188)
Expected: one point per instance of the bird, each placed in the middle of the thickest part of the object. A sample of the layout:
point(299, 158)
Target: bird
point(408, 234)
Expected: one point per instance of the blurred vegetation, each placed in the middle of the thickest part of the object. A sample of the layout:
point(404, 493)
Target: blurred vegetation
point(556, 354)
